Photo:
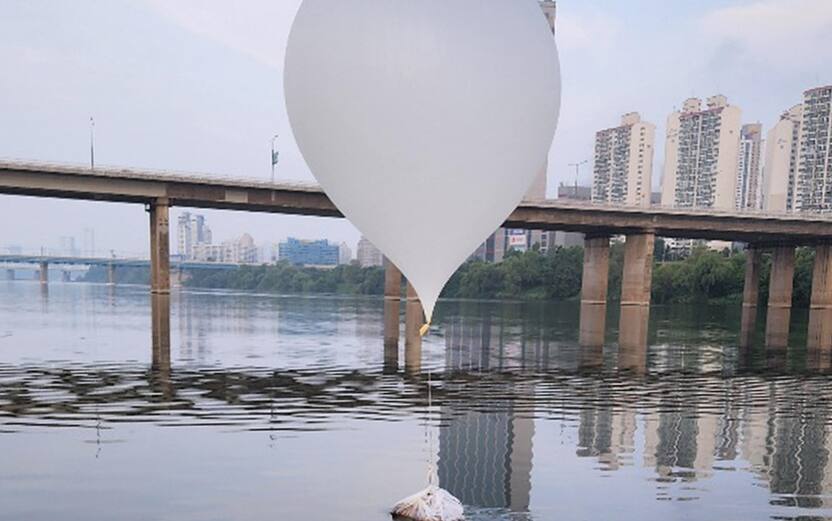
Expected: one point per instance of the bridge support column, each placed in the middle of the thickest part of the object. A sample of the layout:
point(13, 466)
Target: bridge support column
point(44, 273)
point(111, 274)
point(820, 312)
point(750, 295)
point(414, 320)
point(392, 306)
point(594, 291)
point(636, 285)
point(780, 297)
point(160, 333)
point(66, 276)
point(10, 274)
point(159, 247)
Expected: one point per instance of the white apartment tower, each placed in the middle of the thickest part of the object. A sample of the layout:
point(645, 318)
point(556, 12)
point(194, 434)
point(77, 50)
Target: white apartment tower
point(701, 154)
point(747, 195)
point(367, 254)
point(814, 175)
point(782, 162)
point(191, 231)
point(623, 168)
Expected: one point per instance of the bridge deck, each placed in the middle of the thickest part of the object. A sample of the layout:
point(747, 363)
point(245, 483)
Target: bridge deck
point(206, 191)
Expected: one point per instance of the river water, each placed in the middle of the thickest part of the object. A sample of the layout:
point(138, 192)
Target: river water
point(283, 407)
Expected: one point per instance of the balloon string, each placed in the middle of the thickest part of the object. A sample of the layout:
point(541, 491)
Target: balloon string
point(432, 477)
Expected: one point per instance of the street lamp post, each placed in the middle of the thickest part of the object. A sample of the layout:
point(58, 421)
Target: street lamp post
point(92, 143)
point(275, 156)
point(577, 172)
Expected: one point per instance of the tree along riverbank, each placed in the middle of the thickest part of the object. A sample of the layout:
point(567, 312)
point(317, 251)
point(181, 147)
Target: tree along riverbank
point(704, 276)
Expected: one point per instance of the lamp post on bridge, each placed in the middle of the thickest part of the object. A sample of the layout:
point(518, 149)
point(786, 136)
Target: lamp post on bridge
point(92, 143)
point(275, 155)
point(577, 173)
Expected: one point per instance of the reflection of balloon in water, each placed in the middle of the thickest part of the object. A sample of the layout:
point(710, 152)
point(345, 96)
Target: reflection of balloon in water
point(424, 121)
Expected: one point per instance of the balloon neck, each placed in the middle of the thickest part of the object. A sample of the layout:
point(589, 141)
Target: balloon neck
point(424, 329)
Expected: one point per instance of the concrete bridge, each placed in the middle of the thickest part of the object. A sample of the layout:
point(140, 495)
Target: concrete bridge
point(158, 191)
point(111, 263)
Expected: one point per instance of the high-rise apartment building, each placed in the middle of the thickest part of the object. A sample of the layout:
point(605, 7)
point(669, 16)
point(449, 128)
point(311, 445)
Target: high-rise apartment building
point(242, 250)
point(814, 176)
point(367, 254)
point(701, 155)
point(88, 242)
point(344, 254)
point(782, 162)
point(191, 231)
point(623, 167)
point(748, 193)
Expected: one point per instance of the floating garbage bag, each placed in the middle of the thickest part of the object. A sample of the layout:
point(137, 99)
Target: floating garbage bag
point(431, 504)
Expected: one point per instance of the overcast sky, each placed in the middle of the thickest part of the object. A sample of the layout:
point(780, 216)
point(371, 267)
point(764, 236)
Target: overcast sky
point(196, 85)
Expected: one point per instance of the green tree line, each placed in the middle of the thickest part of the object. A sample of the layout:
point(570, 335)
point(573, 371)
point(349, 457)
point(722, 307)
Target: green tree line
point(705, 275)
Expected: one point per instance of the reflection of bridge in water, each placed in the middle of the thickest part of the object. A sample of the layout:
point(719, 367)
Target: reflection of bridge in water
point(158, 191)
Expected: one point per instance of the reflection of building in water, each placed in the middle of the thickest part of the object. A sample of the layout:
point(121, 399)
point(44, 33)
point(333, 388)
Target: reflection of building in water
point(485, 455)
point(480, 342)
point(672, 442)
point(485, 458)
point(608, 435)
point(789, 446)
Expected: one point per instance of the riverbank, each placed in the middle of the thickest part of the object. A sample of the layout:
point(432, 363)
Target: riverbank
point(704, 276)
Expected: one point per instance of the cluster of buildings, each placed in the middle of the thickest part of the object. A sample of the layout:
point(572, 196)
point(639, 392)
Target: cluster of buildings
point(195, 243)
point(713, 160)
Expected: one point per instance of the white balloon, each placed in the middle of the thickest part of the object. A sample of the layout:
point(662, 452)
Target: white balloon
point(425, 121)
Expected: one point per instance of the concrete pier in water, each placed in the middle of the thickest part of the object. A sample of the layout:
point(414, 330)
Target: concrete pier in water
point(159, 247)
point(392, 314)
point(820, 310)
point(636, 285)
point(594, 291)
point(750, 296)
point(780, 288)
point(413, 322)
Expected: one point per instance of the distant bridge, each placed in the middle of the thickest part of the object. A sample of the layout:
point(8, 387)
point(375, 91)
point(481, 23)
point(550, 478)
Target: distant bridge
point(120, 262)
point(780, 233)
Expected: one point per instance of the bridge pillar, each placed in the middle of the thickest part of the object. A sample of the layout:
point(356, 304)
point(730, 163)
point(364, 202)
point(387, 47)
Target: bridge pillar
point(594, 291)
point(392, 306)
point(10, 274)
point(160, 333)
point(159, 247)
point(636, 285)
point(414, 319)
point(750, 295)
point(820, 312)
point(66, 276)
point(44, 273)
point(111, 274)
point(780, 297)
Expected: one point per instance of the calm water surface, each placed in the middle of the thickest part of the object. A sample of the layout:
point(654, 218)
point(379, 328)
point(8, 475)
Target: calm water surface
point(284, 408)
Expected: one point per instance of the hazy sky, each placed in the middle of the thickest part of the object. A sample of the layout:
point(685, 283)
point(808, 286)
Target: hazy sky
point(196, 85)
